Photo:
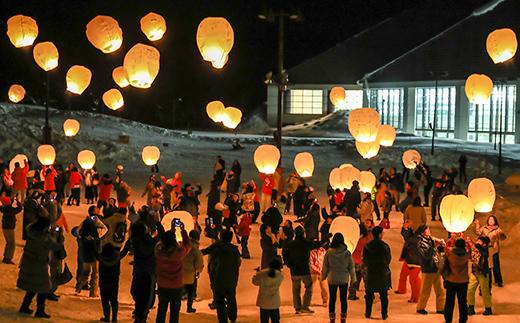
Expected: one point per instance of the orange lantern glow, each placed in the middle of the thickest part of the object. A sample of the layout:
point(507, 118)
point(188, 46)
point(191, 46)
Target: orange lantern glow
point(215, 40)
point(220, 64)
point(349, 228)
point(150, 155)
point(363, 124)
point(174, 218)
point(46, 154)
point(46, 55)
point(338, 97)
point(232, 117)
point(78, 79)
point(501, 45)
point(71, 127)
point(478, 88)
point(141, 65)
point(153, 26)
point(481, 191)
point(304, 164)
point(349, 175)
point(16, 93)
point(411, 158)
point(104, 33)
point(457, 213)
point(335, 179)
point(22, 30)
point(266, 158)
point(386, 135)
point(368, 150)
point(118, 75)
point(86, 159)
point(216, 111)
point(367, 181)
point(346, 165)
point(113, 99)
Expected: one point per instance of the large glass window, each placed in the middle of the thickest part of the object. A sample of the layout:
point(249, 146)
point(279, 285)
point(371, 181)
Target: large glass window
point(389, 104)
point(484, 119)
point(305, 101)
point(425, 106)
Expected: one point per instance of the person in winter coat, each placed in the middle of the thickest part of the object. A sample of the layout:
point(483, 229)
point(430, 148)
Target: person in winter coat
point(19, 178)
point(352, 200)
point(366, 208)
point(243, 231)
point(34, 277)
point(237, 172)
point(293, 182)
point(9, 210)
point(411, 263)
point(192, 267)
point(299, 198)
point(104, 188)
point(267, 191)
point(88, 176)
point(213, 196)
point(311, 223)
point(60, 181)
point(495, 234)
point(118, 227)
point(269, 242)
point(360, 267)
point(479, 277)
point(456, 280)
point(269, 280)
point(377, 257)
point(123, 193)
point(316, 265)
point(75, 180)
point(220, 169)
point(169, 256)
point(109, 271)
point(90, 242)
point(49, 184)
point(415, 214)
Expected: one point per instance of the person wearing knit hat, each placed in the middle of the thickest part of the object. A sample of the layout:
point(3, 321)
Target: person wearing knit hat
point(479, 277)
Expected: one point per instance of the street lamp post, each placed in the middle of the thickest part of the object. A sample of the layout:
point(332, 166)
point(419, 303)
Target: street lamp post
point(47, 128)
point(433, 126)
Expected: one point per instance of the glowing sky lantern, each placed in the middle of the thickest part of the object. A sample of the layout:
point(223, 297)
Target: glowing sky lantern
point(71, 127)
point(386, 135)
point(118, 75)
point(304, 164)
point(46, 154)
point(411, 158)
point(220, 64)
point(104, 33)
point(481, 191)
point(349, 228)
point(368, 150)
point(153, 26)
point(363, 124)
point(22, 30)
point(141, 65)
point(349, 175)
point(216, 111)
point(266, 158)
point(86, 159)
point(501, 45)
point(232, 117)
point(175, 218)
point(16, 93)
point(335, 179)
point(346, 165)
point(78, 79)
point(457, 213)
point(478, 88)
point(20, 159)
point(338, 97)
point(215, 38)
point(367, 181)
point(46, 55)
point(150, 155)
point(113, 99)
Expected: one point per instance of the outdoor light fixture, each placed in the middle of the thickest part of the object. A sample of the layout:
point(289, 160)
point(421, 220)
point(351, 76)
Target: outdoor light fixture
point(153, 26)
point(22, 30)
point(338, 97)
point(215, 40)
point(150, 155)
point(113, 99)
point(456, 212)
point(104, 33)
point(368, 150)
point(141, 65)
point(266, 158)
point(71, 127)
point(386, 135)
point(118, 75)
point(501, 45)
point(86, 159)
point(411, 158)
point(78, 79)
point(367, 181)
point(46, 55)
point(304, 164)
point(16, 93)
point(481, 191)
point(363, 124)
point(349, 229)
point(478, 88)
point(232, 117)
point(46, 155)
point(216, 111)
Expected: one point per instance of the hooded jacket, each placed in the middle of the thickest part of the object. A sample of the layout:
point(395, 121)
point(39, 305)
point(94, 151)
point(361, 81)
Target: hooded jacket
point(269, 291)
point(426, 250)
point(457, 266)
point(193, 263)
point(338, 266)
point(170, 263)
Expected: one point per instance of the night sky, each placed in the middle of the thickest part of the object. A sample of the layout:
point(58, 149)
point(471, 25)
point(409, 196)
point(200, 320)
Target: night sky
point(185, 82)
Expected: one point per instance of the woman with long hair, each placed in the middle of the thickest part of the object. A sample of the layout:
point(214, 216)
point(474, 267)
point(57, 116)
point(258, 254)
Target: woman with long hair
point(269, 281)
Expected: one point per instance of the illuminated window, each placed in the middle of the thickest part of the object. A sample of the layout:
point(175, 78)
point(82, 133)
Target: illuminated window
point(425, 105)
point(389, 104)
point(353, 100)
point(305, 101)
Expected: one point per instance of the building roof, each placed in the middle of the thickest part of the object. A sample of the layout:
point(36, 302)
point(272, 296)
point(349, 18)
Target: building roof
point(350, 60)
point(457, 51)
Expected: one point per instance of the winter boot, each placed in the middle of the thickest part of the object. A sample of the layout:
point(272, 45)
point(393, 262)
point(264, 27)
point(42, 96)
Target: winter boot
point(471, 309)
point(332, 317)
point(487, 311)
point(25, 309)
point(343, 318)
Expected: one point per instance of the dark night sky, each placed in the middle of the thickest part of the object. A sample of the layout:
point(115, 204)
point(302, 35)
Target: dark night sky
point(183, 73)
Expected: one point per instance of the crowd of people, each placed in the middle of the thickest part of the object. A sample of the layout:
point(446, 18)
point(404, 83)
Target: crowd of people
point(168, 262)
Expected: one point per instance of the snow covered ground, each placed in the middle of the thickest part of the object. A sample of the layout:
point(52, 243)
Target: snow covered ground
point(194, 154)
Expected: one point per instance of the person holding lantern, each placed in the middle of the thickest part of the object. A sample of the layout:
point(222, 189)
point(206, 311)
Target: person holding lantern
point(19, 178)
point(495, 234)
point(479, 275)
point(456, 278)
point(267, 191)
point(75, 180)
point(9, 208)
point(411, 263)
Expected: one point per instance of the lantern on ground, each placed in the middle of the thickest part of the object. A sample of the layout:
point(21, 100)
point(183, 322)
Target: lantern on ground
point(113, 99)
point(46, 55)
point(266, 158)
point(150, 155)
point(304, 164)
point(104, 33)
point(457, 213)
point(232, 117)
point(153, 26)
point(216, 111)
point(22, 30)
point(20, 159)
point(349, 228)
point(71, 127)
point(86, 159)
point(368, 150)
point(481, 191)
point(118, 75)
point(141, 65)
point(215, 40)
point(349, 175)
point(78, 79)
point(175, 219)
point(338, 97)
point(411, 158)
point(363, 124)
point(16, 93)
point(367, 181)
point(46, 154)
point(478, 88)
point(386, 135)
point(501, 45)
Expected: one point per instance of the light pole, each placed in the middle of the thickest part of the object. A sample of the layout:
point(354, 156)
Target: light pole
point(433, 126)
point(47, 128)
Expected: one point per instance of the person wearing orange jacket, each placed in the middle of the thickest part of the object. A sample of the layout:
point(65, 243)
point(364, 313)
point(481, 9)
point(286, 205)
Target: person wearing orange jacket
point(75, 186)
point(49, 184)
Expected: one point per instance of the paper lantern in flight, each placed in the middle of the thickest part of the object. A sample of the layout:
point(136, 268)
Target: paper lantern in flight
point(20, 159)
point(141, 65)
point(104, 33)
point(367, 181)
point(363, 124)
point(501, 45)
point(478, 88)
point(86, 159)
point(150, 155)
point(481, 191)
point(335, 179)
point(346, 165)
point(113, 99)
point(16, 93)
point(386, 135)
point(411, 158)
point(71, 127)
point(215, 40)
point(173, 220)
point(349, 228)
point(153, 26)
point(46, 154)
point(78, 79)
point(368, 150)
point(22, 30)
point(46, 55)
point(216, 111)
point(232, 117)
point(457, 213)
point(266, 158)
point(118, 75)
point(338, 97)
point(220, 64)
point(349, 175)
point(304, 164)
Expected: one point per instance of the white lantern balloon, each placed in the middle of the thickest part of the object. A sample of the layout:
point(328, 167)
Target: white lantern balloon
point(71, 127)
point(367, 181)
point(266, 158)
point(86, 159)
point(411, 158)
point(346, 165)
point(304, 164)
point(363, 124)
point(386, 135)
point(335, 179)
point(457, 213)
point(481, 191)
point(150, 155)
point(349, 228)
point(46, 154)
point(367, 150)
point(348, 175)
point(20, 159)
point(174, 219)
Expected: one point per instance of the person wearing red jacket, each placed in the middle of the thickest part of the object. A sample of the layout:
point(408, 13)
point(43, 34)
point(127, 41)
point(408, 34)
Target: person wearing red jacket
point(50, 173)
point(267, 191)
point(19, 178)
point(75, 186)
point(105, 188)
point(360, 267)
point(243, 231)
